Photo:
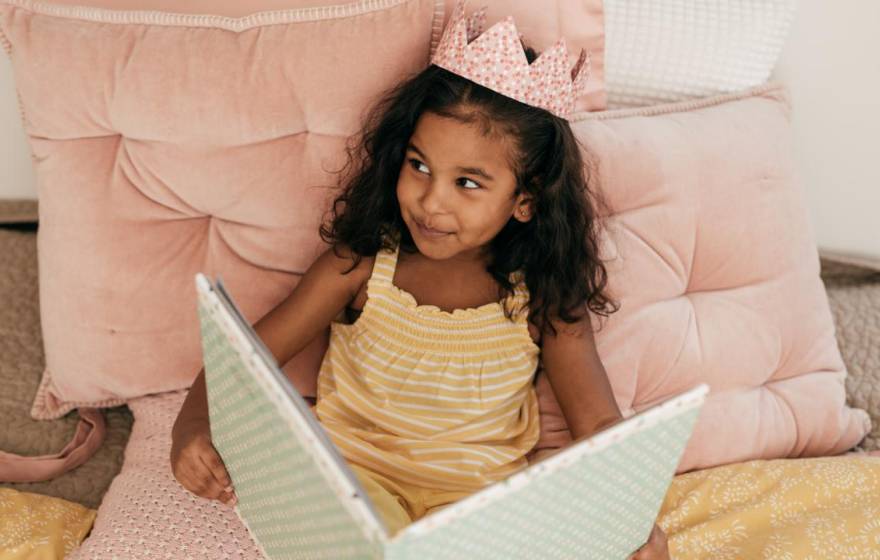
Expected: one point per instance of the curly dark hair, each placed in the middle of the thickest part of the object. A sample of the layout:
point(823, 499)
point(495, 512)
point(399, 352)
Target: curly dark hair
point(557, 249)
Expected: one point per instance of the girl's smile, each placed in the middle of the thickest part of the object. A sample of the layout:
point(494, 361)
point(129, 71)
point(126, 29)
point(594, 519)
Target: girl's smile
point(456, 187)
point(430, 233)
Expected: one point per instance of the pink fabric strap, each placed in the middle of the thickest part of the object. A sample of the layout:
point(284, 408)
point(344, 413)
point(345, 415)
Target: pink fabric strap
point(90, 434)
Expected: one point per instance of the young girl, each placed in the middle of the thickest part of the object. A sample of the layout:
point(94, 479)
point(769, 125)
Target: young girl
point(463, 247)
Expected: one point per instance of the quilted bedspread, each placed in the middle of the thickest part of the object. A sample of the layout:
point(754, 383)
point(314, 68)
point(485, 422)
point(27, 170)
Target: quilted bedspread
point(854, 294)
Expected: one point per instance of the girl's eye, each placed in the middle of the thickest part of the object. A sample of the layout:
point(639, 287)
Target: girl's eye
point(414, 163)
point(474, 183)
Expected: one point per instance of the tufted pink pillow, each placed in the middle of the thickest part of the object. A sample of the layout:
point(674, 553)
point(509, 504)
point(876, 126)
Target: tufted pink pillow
point(581, 22)
point(168, 144)
point(716, 268)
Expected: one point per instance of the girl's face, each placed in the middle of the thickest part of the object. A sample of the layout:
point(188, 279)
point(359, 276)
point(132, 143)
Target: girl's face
point(459, 182)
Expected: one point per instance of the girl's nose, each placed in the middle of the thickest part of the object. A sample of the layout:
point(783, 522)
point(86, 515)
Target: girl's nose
point(433, 198)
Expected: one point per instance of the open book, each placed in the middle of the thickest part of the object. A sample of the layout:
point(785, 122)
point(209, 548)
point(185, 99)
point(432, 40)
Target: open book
point(597, 498)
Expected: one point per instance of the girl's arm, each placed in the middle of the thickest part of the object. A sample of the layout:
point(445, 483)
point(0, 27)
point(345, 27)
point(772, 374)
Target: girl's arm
point(578, 378)
point(321, 294)
point(581, 386)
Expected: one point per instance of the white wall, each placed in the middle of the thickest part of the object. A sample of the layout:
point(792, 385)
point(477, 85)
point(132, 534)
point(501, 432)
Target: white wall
point(831, 63)
point(16, 172)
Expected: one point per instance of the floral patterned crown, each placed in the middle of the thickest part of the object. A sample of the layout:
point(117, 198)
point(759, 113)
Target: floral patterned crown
point(496, 59)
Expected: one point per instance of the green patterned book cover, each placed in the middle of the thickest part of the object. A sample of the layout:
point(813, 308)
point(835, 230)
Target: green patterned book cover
point(598, 498)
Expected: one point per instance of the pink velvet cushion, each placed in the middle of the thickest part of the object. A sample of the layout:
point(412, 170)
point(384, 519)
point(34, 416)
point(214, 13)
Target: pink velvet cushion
point(717, 271)
point(166, 145)
point(581, 22)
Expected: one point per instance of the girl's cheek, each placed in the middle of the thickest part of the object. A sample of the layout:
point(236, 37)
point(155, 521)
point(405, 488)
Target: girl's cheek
point(408, 188)
point(401, 187)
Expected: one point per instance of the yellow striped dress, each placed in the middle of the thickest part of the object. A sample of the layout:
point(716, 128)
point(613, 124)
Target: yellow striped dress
point(428, 404)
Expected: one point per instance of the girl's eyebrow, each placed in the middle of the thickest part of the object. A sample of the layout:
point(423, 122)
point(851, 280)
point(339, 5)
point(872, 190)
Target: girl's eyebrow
point(470, 170)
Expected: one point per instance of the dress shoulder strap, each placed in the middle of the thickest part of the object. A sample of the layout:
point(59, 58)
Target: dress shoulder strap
point(384, 264)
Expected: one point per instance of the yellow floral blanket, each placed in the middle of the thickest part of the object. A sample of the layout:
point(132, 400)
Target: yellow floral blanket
point(37, 527)
point(821, 508)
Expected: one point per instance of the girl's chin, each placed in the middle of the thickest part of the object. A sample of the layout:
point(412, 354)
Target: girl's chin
point(432, 247)
point(429, 247)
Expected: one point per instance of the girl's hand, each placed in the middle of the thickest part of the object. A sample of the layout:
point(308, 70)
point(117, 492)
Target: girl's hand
point(655, 549)
point(196, 464)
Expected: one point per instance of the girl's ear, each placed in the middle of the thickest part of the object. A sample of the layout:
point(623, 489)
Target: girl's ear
point(523, 210)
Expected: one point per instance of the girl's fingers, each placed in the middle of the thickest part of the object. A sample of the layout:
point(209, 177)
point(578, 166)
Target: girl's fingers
point(225, 493)
point(204, 483)
point(196, 477)
point(213, 487)
point(661, 542)
point(211, 459)
point(654, 548)
point(637, 555)
point(197, 468)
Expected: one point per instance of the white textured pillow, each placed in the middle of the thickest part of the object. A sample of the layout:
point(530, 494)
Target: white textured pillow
point(668, 50)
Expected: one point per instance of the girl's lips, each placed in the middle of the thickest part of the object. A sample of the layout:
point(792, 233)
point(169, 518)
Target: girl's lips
point(430, 232)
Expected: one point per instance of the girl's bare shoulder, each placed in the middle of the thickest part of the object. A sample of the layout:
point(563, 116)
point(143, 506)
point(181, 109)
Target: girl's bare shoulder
point(344, 259)
point(344, 262)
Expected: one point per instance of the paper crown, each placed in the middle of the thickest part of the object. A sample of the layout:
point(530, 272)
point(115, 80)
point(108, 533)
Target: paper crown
point(496, 59)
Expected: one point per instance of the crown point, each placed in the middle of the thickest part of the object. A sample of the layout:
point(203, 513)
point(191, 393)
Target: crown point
point(496, 59)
